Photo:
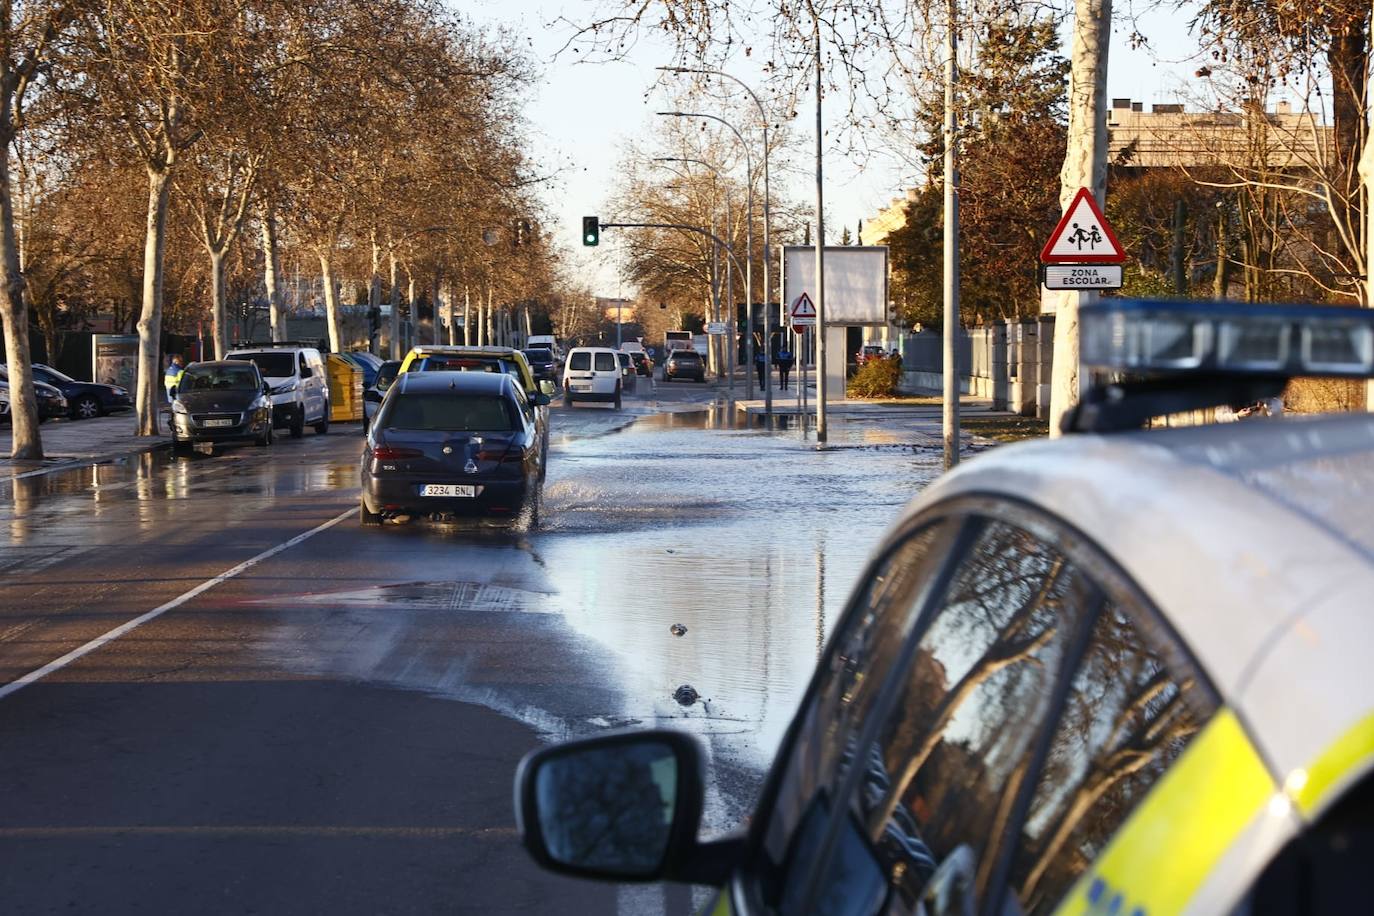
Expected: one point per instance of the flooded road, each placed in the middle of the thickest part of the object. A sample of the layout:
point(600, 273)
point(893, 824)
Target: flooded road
point(685, 575)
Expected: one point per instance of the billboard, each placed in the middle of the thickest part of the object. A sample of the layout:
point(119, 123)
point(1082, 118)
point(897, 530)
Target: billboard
point(855, 281)
point(114, 359)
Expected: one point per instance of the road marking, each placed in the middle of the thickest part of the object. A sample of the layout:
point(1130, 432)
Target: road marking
point(212, 831)
point(59, 663)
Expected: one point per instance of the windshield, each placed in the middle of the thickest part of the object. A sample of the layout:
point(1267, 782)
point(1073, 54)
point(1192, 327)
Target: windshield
point(434, 412)
point(539, 356)
point(273, 365)
point(219, 378)
point(49, 374)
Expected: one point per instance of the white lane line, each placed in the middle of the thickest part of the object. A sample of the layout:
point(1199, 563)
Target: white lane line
point(59, 663)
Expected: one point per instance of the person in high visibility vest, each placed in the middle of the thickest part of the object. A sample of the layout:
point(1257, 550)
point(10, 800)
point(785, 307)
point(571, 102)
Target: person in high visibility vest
point(174, 369)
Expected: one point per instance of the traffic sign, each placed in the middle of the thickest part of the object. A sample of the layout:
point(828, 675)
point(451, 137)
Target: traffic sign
point(1082, 276)
point(803, 311)
point(1083, 236)
point(717, 327)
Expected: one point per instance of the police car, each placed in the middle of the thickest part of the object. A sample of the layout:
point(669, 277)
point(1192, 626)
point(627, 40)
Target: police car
point(1126, 671)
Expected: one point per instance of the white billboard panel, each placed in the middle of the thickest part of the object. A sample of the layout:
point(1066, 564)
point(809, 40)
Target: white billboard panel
point(855, 281)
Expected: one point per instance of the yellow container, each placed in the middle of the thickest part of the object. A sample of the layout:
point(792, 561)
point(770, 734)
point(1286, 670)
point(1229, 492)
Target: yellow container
point(345, 390)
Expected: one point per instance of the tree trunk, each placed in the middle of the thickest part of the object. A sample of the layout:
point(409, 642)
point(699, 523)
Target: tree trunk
point(467, 315)
point(1347, 57)
point(434, 307)
point(412, 310)
point(27, 445)
point(271, 259)
point(394, 324)
point(331, 302)
point(1222, 279)
point(1085, 166)
point(217, 317)
point(149, 397)
point(374, 290)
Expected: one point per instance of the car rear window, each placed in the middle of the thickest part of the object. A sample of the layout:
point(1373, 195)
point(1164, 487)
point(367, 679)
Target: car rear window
point(457, 412)
point(466, 364)
point(686, 356)
point(606, 362)
point(539, 356)
point(272, 365)
point(580, 361)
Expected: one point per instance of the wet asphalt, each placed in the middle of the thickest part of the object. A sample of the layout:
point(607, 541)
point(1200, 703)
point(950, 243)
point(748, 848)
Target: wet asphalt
point(335, 728)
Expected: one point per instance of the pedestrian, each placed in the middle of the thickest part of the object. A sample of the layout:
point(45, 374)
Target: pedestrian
point(175, 366)
point(896, 355)
point(761, 364)
point(785, 362)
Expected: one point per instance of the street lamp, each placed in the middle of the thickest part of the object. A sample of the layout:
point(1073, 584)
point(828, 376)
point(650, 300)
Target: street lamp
point(767, 251)
point(749, 244)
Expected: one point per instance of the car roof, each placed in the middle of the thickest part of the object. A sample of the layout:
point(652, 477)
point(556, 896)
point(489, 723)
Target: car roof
point(1255, 540)
point(238, 363)
point(490, 383)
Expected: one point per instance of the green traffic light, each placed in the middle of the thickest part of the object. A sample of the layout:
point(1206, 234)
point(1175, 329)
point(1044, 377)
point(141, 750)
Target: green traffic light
point(591, 230)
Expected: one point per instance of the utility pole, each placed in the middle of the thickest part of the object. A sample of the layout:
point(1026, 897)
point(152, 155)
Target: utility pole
point(950, 409)
point(1367, 179)
point(821, 430)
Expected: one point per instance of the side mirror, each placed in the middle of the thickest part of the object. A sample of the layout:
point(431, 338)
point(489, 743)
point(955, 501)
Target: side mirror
point(373, 395)
point(266, 388)
point(623, 806)
point(541, 400)
point(546, 388)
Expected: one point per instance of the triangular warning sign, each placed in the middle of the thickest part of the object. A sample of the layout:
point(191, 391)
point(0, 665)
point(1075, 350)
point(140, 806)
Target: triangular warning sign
point(1083, 236)
point(803, 307)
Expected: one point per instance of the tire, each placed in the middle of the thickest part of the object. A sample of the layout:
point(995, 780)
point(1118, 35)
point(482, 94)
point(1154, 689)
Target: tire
point(322, 427)
point(617, 399)
point(367, 518)
point(266, 438)
point(180, 446)
point(86, 408)
point(567, 400)
point(298, 425)
point(532, 508)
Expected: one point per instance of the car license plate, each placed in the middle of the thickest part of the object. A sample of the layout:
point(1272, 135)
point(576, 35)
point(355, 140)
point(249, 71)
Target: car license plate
point(219, 422)
point(447, 489)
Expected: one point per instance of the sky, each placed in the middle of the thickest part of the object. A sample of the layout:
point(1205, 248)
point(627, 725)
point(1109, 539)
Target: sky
point(582, 114)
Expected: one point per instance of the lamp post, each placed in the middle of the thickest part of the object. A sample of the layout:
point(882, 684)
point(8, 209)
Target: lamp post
point(767, 250)
point(749, 247)
point(715, 173)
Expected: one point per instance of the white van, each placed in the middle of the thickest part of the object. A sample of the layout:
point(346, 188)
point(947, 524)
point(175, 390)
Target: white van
point(544, 341)
point(300, 387)
point(591, 374)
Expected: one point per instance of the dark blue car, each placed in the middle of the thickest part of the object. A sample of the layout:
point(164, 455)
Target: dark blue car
point(84, 399)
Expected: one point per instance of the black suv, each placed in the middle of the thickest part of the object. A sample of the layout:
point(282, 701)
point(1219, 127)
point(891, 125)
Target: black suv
point(684, 364)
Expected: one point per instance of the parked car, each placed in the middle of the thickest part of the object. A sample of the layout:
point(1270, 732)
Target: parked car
point(592, 374)
point(1121, 671)
point(368, 362)
point(84, 399)
point(542, 363)
point(868, 352)
point(300, 387)
point(51, 403)
point(372, 396)
point(684, 364)
point(221, 401)
point(452, 443)
point(628, 373)
point(644, 363)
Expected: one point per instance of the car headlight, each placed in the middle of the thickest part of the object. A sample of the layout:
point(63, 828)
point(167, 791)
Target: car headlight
point(178, 407)
point(287, 388)
point(120, 392)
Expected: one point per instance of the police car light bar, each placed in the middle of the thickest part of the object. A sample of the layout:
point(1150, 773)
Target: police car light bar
point(1160, 337)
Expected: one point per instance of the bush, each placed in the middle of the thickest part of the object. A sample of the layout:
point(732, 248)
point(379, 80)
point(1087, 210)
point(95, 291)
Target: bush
point(876, 378)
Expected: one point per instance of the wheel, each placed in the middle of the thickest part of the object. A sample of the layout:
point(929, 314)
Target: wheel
point(266, 438)
point(532, 507)
point(366, 517)
point(298, 425)
point(617, 399)
point(567, 400)
point(322, 427)
point(180, 446)
point(86, 408)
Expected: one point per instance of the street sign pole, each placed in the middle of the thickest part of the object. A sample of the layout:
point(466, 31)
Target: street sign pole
point(821, 431)
point(950, 408)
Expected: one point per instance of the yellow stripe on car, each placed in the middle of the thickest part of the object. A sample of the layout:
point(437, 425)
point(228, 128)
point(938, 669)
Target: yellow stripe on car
point(1348, 756)
point(1166, 849)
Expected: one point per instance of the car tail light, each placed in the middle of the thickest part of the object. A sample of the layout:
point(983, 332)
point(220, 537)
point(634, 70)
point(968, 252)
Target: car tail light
point(387, 453)
point(504, 455)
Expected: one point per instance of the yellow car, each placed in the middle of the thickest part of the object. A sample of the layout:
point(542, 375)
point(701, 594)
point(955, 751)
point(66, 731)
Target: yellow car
point(1126, 671)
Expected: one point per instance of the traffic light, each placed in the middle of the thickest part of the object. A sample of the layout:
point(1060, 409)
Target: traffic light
point(591, 230)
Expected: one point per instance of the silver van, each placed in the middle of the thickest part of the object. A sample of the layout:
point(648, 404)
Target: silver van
point(300, 387)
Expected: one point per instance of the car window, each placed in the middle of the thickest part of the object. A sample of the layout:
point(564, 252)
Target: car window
point(1134, 705)
point(273, 365)
point(448, 412)
point(219, 378)
point(947, 762)
point(857, 662)
point(606, 362)
point(581, 362)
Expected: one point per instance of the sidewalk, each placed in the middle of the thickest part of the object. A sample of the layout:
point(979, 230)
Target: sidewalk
point(69, 442)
